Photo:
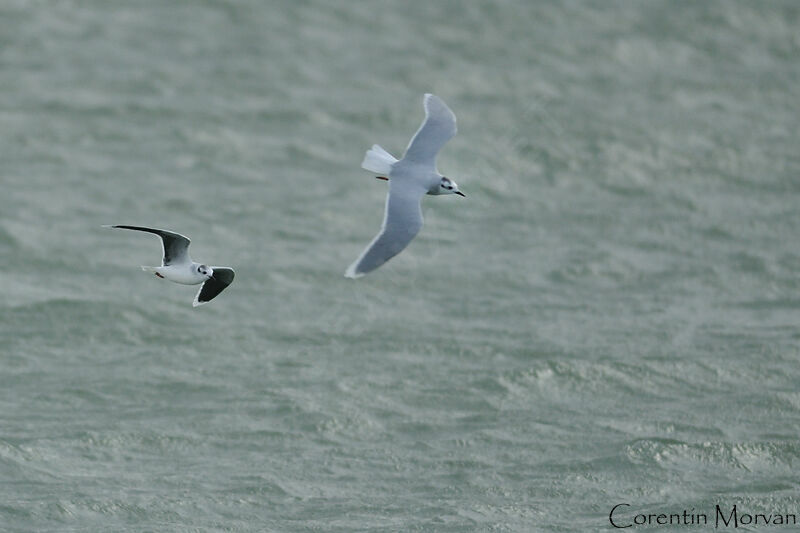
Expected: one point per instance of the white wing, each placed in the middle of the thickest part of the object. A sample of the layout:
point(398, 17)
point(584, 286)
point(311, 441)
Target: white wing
point(401, 222)
point(438, 127)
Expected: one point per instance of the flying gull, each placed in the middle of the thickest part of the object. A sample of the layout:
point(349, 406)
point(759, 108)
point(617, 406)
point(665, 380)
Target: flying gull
point(410, 178)
point(177, 266)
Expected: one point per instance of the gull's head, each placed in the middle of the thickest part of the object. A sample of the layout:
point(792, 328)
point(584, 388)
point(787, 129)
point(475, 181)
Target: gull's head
point(204, 270)
point(448, 186)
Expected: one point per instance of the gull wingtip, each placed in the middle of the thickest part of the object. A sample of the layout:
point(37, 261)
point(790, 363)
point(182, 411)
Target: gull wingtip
point(351, 273)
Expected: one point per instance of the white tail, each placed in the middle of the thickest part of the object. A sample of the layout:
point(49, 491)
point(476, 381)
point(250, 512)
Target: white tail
point(378, 160)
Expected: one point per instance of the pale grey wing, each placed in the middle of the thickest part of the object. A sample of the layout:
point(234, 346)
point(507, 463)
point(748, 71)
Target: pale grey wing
point(175, 245)
point(223, 276)
point(438, 127)
point(401, 223)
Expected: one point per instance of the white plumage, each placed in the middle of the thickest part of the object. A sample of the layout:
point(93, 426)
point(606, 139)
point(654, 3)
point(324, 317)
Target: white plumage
point(378, 160)
point(410, 179)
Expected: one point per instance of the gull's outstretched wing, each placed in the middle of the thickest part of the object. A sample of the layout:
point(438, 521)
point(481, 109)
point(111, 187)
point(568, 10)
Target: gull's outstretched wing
point(401, 222)
point(175, 245)
point(223, 276)
point(438, 127)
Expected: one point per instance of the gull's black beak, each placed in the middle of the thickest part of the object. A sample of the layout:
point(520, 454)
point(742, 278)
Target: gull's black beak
point(381, 178)
point(461, 194)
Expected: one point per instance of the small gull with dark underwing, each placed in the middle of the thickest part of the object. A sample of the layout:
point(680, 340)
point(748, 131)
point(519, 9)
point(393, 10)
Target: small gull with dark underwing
point(410, 178)
point(177, 266)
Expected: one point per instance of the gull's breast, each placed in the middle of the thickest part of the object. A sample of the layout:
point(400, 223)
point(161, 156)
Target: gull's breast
point(183, 274)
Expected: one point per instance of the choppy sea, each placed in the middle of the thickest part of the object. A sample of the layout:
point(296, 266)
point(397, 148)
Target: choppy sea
point(610, 317)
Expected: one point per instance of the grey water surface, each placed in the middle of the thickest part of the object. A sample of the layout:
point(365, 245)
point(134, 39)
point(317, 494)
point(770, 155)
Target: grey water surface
point(611, 316)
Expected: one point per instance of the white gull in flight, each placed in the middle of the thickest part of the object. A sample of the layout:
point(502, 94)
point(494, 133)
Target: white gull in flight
point(410, 178)
point(177, 266)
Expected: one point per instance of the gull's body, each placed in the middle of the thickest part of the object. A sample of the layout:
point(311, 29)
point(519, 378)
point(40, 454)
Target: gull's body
point(177, 266)
point(410, 178)
point(183, 273)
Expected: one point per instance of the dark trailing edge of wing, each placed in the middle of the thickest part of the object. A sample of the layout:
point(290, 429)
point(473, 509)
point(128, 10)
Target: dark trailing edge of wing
point(174, 244)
